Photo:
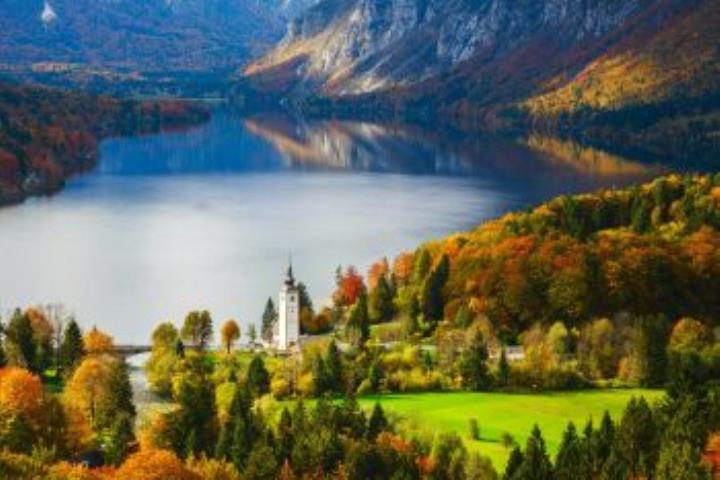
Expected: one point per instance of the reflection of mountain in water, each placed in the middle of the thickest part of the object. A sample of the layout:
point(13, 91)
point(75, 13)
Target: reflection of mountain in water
point(410, 149)
point(275, 142)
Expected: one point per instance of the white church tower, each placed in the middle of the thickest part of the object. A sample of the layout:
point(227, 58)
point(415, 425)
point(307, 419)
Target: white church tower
point(288, 330)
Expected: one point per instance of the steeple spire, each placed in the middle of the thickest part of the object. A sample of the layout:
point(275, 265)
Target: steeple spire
point(289, 277)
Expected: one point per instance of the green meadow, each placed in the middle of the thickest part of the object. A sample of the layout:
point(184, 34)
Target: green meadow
point(498, 413)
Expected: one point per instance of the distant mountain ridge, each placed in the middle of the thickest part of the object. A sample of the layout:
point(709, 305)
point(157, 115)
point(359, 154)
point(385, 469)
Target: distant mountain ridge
point(146, 35)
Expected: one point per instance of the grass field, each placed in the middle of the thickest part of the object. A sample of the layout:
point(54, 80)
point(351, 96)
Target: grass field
point(496, 413)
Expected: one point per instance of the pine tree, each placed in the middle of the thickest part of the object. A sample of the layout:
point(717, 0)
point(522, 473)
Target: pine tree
point(572, 459)
point(334, 369)
point(119, 439)
point(258, 378)
point(473, 365)
point(381, 306)
point(536, 463)
point(602, 442)
point(19, 335)
point(681, 462)
point(269, 319)
point(377, 423)
point(432, 301)
point(614, 467)
point(503, 374)
point(358, 324)
point(3, 356)
point(514, 462)
point(71, 348)
point(636, 438)
point(285, 439)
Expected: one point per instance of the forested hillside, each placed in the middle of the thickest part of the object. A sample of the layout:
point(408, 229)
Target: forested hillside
point(47, 135)
point(653, 249)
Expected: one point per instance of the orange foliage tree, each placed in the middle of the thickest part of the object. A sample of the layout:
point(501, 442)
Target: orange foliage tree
point(154, 465)
point(350, 285)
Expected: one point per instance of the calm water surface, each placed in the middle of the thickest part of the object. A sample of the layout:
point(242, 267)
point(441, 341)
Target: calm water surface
point(206, 218)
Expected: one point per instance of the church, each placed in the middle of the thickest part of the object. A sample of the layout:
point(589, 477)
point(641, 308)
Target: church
point(287, 329)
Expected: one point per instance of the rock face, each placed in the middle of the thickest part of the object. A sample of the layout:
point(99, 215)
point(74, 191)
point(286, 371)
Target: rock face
point(359, 46)
point(149, 35)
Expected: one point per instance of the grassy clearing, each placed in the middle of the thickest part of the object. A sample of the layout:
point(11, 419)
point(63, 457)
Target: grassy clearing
point(497, 413)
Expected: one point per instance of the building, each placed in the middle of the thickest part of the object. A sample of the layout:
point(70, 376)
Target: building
point(288, 327)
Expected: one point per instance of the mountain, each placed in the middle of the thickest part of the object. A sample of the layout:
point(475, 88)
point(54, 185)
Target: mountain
point(145, 35)
point(632, 76)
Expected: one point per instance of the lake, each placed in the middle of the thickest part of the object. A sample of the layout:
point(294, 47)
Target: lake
point(208, 217)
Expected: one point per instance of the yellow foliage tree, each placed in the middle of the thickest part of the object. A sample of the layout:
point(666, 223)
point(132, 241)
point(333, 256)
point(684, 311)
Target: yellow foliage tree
point(97, 342)
point(87, 387)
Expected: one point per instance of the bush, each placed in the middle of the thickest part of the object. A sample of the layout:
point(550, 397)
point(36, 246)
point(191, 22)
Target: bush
point(473, 429)
point(280, 388)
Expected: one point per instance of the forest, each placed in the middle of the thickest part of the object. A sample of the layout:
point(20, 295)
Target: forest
point(597, 291)
point(48, 135)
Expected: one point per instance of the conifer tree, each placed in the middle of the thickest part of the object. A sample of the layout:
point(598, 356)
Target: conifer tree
point(19, 336)
point(380, 303)
point(358, 324)
point(258, 378)
point(333, 366)
point(536, 463)
point(503, 373)
point(473, 364)
point(71, 348)
point(377, 423)
point(432, 301)
point(269, 319)
point(572, 459)
point(636, 438)
point(514, 462)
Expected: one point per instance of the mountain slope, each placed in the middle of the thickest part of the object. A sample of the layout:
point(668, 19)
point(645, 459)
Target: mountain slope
point(147, 35)
point(471, 54)
point(644, 74)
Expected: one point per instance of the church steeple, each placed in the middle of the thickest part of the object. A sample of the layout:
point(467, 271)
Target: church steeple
point(289, 277)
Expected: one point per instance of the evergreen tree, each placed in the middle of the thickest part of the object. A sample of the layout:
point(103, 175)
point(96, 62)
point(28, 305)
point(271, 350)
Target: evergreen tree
point(473, 364)
point(333, 368)
point(269, 319)
point(118, 401)
point(637, 439)
point(285, 438)
point(304, 298)
point(615, 467)
point(601, 443)
point(377, 423)
point(258, 378)
point(432, 301)
point(681, 461)
point(320, 376)
point(536, 463)
point(71, 348)
point(19, 335)
point(380, 302)
point(261, 464)
point(572, 459)
point(119, 439)
point(651, 349)
point(358, 324)
point(503, 374)
point(514, 462)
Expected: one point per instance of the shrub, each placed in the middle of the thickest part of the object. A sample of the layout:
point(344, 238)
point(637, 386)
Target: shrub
point(473, 429)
